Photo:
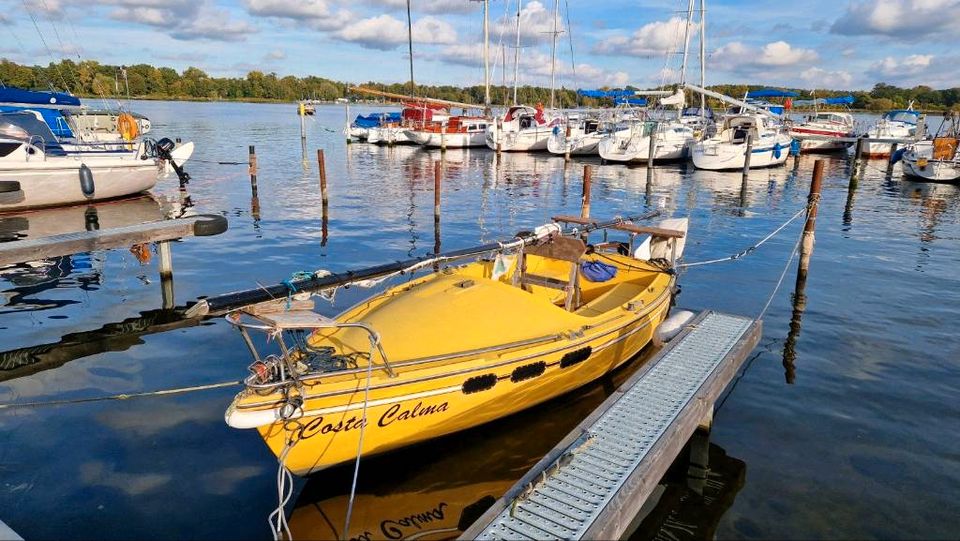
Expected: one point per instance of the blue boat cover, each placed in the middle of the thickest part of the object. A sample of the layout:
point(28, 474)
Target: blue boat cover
point(842, 100)
point(374, 120)
point(605, 93)
point(771, 93)
point(35, 97)
point(29, 123)
point(53, 117)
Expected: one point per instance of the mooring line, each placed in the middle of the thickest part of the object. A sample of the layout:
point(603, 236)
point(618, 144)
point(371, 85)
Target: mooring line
point(123, 396)
point(747, 251)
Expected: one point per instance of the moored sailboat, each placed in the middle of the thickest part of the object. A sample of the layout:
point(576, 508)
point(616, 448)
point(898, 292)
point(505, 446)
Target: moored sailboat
point(404, 366)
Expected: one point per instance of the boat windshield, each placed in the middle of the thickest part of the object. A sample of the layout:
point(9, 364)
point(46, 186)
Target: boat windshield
point(25, 125)
point(905, 116)
point(695, 111)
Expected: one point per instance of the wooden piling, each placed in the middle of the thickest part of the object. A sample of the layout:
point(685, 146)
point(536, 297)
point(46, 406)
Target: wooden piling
point(585, 199)
point(806, 250)
point(346, 129)
point(443, 137)
point(499, 135)
point(166, 274)
point(322, 169)
point(437, 175)
point(893, 150)
point(746, 156)
point(303, 127)
point(252, 166)
point(855, 167)
point(566, 142)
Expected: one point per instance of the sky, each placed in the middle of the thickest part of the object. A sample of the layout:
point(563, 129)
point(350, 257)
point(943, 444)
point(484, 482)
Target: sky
point(840, 44)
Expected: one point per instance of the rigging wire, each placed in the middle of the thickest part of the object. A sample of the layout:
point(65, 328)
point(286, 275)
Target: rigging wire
point(573, 61)
point(43, 40)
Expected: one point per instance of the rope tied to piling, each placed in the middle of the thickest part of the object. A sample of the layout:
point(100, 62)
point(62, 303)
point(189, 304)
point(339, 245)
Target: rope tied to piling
point(753, 247)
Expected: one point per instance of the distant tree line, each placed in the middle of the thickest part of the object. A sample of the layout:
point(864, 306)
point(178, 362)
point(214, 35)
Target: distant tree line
point(92, 79)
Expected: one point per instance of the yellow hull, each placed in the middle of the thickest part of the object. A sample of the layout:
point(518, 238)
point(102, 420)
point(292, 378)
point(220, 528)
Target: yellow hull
point(466, 350)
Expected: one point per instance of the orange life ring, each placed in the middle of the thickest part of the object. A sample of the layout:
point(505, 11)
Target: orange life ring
point(128, 127)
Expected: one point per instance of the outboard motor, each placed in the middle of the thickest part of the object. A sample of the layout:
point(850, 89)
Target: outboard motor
point(164, 146)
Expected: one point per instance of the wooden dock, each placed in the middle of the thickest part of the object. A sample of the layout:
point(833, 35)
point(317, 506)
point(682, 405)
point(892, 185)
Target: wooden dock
point(596, 480)
point(105, 239)
point(7, 533)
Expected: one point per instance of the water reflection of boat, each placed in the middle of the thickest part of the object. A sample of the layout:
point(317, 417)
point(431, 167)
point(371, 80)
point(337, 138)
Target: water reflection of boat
point(467, 472)
point(60, 220)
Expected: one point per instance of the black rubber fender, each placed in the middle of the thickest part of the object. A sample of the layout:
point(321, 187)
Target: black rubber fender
point(209, 224)
point(9, 186)
point(87, 185)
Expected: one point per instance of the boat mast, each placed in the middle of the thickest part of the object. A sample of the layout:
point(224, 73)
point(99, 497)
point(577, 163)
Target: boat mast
point(413, 86)
point(486, 55)
point(516, 56)
point(703, 56)
point(553, 54)
point(686, 43)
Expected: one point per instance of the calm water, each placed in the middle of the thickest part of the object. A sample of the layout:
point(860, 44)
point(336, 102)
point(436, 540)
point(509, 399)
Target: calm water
point(855, 435)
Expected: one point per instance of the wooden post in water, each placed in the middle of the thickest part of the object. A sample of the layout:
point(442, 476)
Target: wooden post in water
point(443, 137)
point(585, 198)
point(746, 156)
point(651, 155)
point(346, 129)
point(252, 166)
point(303, 129)
point(437, 178)
point(566, 142)
point(322, 169)
point(893, 150)
point(166, 274)
point(806, 250)
point(499, 134)
point(855, 167)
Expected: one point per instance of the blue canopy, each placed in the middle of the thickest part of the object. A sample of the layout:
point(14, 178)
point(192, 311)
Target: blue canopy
point(53, 117)
point(843, 100)
point(605, 93)
point(630, 101)
point(771, 93)
point(374, 120)
point(34, 97)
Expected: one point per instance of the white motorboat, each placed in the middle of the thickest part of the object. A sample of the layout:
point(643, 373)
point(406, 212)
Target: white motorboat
point(578, 136)
point(522, 129)
point(900, 125)
point(673, 140)
point(816, 131)
point(727, 149)
point(937, 160)
point(37, 171)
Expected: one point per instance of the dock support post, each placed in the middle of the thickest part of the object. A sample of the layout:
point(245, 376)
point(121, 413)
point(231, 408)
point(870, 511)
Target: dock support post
point(566, 142)
point(303, 130)
point(443, 138)
point(699, 461)
point(324, 201)
point(166, 274)
point(252, 165)
point(499, 136)
point(346, 128)
point(806, 250)
point(855, 166)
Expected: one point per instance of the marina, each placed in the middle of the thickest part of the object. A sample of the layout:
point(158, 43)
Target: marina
point(626, 293)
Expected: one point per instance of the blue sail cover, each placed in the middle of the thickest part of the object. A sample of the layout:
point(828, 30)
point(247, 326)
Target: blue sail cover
point(34, 97)
point(630, 101)
point(53, 117)
point(771, 93)
point(605, 93)
point(374, 120)
point(843, 100)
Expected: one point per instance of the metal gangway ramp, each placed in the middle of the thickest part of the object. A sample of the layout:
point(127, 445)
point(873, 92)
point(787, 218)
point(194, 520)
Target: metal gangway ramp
point(595, 481)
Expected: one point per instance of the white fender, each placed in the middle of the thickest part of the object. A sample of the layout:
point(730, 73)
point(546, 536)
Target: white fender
point(672, 326)
point(662, 247)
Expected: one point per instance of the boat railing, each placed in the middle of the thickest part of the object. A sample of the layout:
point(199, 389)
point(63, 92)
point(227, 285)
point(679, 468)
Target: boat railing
point(285, 367)
point(37, 142)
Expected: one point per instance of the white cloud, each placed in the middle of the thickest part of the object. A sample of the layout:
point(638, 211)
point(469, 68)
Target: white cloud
point(656, 38)
point(917, 69)
point(429, 6)
point(821, 78)
point(536, 25)
point(385, 32)
point(911, 65)
point(737, 57)
point(901, 19)
point(319, 14)
point(182, 19)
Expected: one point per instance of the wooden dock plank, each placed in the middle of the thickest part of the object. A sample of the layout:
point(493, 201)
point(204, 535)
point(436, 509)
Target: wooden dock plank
point(101, 239)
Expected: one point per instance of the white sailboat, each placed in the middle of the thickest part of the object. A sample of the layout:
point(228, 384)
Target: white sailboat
point(937, 160)
point(36, 171)
point(900, 124)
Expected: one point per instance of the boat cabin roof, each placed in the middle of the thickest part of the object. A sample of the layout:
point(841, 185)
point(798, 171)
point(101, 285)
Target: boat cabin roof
point(907, 116)
point(26, 125)
point(831, 116)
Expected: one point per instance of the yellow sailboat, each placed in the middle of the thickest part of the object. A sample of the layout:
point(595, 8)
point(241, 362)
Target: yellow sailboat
point(455, 348)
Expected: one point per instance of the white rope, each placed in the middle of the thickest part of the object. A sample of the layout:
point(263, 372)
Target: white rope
point(782, 275)
point(278, 518)
point(363, 429)
point(748, 250)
